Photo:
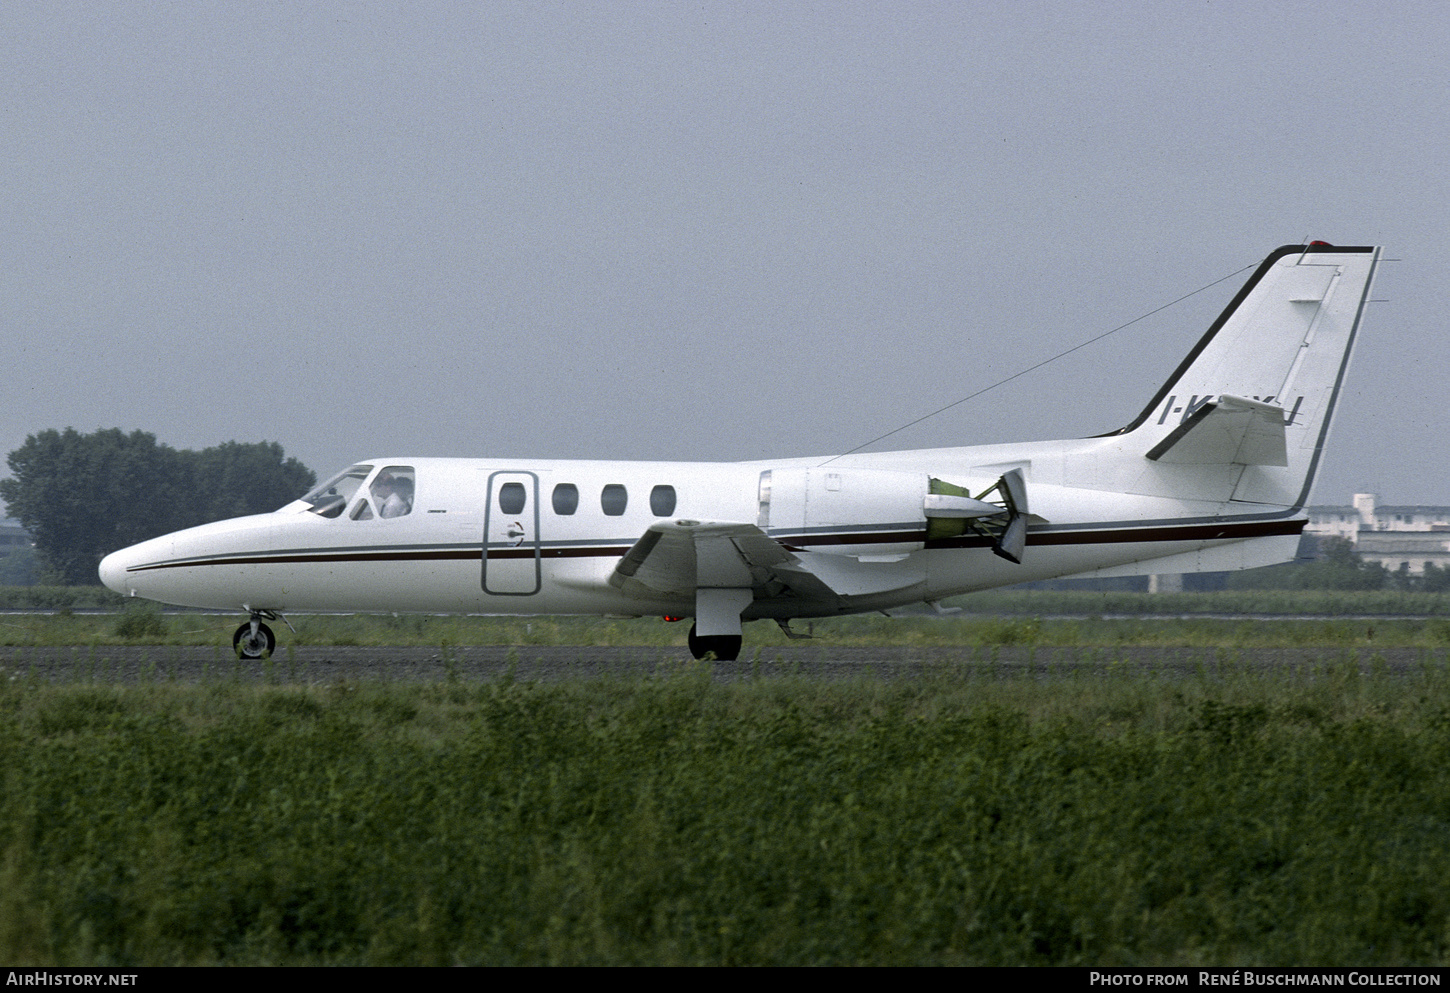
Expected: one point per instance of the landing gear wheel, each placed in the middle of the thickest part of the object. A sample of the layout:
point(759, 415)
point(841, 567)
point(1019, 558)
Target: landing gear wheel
point(725, 646)
point(254, 646)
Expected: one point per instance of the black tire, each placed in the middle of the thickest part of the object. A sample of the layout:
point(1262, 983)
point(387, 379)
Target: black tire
point(725, 646)
point(250, 648)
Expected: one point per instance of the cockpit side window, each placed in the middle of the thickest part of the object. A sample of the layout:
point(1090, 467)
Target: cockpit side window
point(329, 498)
point(392, 491)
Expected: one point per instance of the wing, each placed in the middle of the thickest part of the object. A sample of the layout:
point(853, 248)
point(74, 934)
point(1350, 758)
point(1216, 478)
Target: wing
point(681, 558)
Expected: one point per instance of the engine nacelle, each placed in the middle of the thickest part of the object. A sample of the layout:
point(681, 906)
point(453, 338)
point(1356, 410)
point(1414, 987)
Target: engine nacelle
point(886, 512)
point(845, 507)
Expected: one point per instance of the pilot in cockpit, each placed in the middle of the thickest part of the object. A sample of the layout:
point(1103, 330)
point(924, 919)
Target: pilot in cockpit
point(393, 495)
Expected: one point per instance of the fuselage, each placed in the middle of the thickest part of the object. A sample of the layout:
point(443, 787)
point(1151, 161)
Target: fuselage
point(534, 537)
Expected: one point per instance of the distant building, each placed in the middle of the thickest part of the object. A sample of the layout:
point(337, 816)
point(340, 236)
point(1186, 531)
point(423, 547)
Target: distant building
point(1401, 538)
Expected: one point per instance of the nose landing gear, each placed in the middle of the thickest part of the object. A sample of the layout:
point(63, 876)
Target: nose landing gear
point(254, 640)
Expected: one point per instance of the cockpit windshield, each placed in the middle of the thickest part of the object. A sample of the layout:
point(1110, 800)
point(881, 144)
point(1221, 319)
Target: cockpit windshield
point(390, 495)
point(328, 499)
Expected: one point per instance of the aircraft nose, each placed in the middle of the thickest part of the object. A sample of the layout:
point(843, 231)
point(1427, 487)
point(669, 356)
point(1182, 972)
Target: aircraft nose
point(113, 571)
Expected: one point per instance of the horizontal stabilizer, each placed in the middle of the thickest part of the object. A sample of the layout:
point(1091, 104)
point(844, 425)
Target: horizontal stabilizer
point(1229, 431)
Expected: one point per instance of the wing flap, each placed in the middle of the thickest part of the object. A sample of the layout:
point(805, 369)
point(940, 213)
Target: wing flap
point(847, 575)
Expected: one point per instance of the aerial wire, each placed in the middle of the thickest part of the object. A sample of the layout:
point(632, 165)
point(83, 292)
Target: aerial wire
point(1017, 375)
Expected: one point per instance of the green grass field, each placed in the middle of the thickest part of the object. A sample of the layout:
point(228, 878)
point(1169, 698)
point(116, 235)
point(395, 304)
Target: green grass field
point(1098, 815)
point(1302, 818)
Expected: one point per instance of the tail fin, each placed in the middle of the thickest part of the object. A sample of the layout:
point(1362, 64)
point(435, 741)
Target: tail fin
point(1284, 342)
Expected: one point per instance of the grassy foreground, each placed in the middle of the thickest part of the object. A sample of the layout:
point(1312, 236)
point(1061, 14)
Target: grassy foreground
point(999, 601)
point(144, 623)
point(1295, 819)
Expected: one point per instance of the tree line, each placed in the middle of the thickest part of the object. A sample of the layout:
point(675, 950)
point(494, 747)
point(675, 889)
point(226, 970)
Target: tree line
point(82, 496)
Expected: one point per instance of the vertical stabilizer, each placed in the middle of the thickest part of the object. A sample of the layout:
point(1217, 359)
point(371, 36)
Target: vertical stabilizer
point(1284, 341)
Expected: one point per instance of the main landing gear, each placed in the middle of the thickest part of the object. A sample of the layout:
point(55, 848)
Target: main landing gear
point(254, 640)
point(725, 646)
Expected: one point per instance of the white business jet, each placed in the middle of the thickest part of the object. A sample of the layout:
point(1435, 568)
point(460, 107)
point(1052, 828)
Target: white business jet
point(1212, 475)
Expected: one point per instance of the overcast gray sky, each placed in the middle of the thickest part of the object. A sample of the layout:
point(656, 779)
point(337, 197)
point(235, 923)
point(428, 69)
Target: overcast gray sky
point(699, 230)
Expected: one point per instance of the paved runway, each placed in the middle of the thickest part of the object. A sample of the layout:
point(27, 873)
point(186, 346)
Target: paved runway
point(325, 664)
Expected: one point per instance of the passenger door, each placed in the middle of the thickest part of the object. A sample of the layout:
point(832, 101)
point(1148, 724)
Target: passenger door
point(511, 564)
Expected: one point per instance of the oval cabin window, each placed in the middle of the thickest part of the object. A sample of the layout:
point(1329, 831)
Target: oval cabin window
point(614, 499)
point(512, 497)
point(662, 501)
point(566, 499)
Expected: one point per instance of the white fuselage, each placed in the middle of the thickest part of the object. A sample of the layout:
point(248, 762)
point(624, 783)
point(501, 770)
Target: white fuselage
point(859, 521)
